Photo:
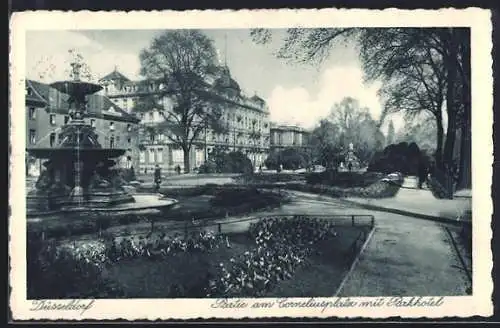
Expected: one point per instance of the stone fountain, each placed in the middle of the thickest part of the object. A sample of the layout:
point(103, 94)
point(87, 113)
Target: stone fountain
point(79, 174)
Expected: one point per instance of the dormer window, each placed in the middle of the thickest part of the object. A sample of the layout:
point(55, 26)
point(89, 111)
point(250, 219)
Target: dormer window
point(129, 127)
point(112, 126)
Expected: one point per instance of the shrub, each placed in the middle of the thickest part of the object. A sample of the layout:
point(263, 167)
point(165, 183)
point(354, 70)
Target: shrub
point(208, 167)
point(402, 157)
point(290, 158)
point(221, 161)
point(237, 162)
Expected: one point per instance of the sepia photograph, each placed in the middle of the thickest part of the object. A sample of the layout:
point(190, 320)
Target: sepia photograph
point(307, 166)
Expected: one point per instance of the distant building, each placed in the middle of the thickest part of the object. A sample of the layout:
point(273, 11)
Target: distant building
point(47, 111)
point(288, 136)
point(246, 120)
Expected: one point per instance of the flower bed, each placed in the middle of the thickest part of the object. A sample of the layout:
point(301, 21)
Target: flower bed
point(380, 189)
point(203, 265)
point(344, 179)
point(281, 246)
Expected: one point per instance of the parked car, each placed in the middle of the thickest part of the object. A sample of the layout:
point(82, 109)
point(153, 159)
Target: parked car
point(395, 177)
point(318, 168)
point(302, 170)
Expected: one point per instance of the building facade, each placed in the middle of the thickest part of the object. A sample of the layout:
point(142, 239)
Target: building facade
point(288, 136)
point(47, 111)
point(245, 122)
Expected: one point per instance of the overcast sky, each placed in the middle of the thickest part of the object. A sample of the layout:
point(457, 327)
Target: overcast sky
point(296, 94)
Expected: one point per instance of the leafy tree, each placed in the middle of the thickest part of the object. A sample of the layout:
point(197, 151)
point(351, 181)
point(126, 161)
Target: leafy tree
point(181, 63)
point(421, 132)
point(355, 125)
point(327, 148)
point(422, 69)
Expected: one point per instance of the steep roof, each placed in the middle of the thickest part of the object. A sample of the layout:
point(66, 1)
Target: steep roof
point(115, 75)
point(34, 97)
point(97, 105)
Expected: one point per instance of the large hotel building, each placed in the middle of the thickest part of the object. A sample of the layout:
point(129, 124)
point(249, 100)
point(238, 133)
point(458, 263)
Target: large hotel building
point(245, 118)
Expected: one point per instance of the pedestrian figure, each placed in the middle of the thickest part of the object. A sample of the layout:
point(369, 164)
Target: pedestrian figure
point(178, 169)
point(281, 167)
point(350, 166)
point(157, 178)
point(260, 168)
point(422, 173)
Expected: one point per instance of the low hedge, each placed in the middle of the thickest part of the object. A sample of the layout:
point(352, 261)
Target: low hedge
point(344, 179)
point(257, 178)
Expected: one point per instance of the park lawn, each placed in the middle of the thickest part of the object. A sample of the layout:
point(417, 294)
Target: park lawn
point(147, 278)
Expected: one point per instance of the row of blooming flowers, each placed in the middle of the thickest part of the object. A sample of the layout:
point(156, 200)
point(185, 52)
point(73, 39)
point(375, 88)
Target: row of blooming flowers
point(281, 246)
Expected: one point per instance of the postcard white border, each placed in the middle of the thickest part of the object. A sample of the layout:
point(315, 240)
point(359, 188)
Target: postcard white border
point(482, 144)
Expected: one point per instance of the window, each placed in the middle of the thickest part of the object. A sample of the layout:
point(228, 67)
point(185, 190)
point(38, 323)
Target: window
point(32, 137)
point(129, 140)
point(66, 119)
point(92, 123)
point(52, 139)
point(112, 142)
point(52, 119)
point(152, 137)
point(112, 126)
point(151, 155)
point(142, 156)
point(178, 155)
point(32, 113)
point(200, 156)
point(159, 155)
point(150, 116)
point(129, 127)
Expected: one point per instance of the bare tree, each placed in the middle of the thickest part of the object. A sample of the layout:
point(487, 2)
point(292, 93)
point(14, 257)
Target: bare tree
point(179, 66)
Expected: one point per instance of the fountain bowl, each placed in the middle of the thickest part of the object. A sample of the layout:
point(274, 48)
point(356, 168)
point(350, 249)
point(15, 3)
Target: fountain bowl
point(77, 88)
point(142, 202)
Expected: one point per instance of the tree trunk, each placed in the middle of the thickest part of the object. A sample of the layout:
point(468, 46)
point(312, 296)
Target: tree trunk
point(440, 136)
point(464, 179)
point(451, 108)
point(187, 167)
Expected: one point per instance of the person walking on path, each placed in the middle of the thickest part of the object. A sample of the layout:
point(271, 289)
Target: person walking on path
point(422, 172)
point(157, 178)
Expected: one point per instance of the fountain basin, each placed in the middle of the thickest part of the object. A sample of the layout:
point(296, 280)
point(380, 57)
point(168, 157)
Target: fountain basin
point(141, 202)
point(76, 88)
